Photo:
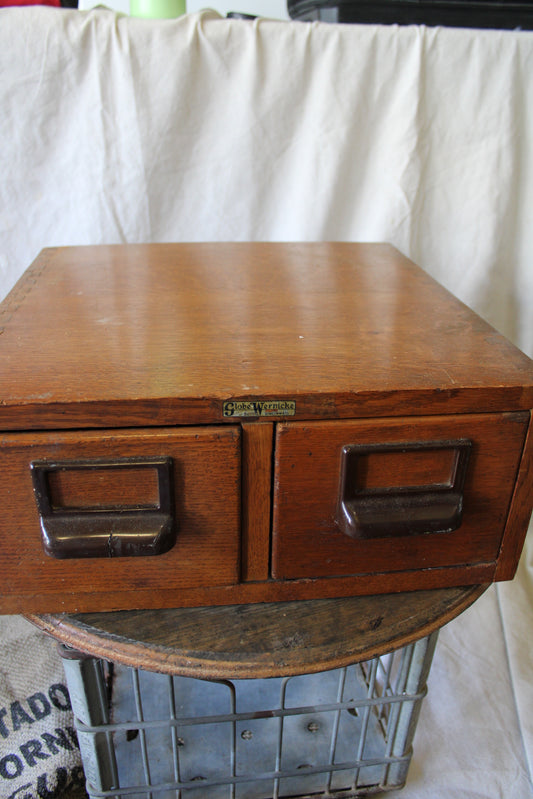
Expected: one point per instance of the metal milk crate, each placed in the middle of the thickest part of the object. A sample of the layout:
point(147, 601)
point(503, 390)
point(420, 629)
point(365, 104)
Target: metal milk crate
point(341, 733)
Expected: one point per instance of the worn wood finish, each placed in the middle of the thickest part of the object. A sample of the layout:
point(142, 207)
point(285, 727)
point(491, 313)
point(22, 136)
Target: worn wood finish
point(308, 543)
point(257, 641)
point(168, 332)
point(206, 479)
point(519, 515)
point(224, 358)
point(156, 593)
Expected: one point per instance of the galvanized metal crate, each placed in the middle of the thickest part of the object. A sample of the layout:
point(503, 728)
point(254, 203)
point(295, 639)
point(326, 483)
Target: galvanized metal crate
point(341, 733)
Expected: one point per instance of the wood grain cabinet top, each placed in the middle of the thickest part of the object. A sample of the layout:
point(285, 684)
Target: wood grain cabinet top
point(202, 424)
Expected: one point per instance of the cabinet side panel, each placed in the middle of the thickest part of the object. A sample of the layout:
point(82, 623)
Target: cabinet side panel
point(519, 515)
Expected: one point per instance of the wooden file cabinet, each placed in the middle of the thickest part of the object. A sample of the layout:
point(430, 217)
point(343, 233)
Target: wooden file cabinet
point(203, 424)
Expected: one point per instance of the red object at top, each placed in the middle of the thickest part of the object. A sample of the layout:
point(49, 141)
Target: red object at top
point(4, 3)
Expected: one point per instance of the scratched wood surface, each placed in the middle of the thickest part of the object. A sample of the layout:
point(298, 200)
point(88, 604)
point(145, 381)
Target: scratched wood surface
point(136, 349)
point(308, 543)
point(206, 490)
point(263, 640)
point(164, 333)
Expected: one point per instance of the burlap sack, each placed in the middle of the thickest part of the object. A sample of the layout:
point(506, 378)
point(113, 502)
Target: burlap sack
point(39, 753)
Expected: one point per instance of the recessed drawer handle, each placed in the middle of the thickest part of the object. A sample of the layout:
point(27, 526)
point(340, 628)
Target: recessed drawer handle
point(402, 489)
point(105, 508)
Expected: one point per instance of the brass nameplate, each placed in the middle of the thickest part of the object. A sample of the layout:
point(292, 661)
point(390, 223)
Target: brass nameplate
point(241, 408)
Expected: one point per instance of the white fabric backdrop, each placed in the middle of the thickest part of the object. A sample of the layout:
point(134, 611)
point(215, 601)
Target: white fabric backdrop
point(121, 130)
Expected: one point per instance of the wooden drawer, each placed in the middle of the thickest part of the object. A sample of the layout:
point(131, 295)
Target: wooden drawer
point(227, 392)
point(182, 484)
point(391, 495)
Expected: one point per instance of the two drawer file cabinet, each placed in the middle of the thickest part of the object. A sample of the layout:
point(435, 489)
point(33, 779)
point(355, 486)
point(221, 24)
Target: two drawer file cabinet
point(216, 424)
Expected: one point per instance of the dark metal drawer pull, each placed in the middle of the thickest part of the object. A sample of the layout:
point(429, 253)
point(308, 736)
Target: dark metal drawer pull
point(378, 498)
point(105, 508)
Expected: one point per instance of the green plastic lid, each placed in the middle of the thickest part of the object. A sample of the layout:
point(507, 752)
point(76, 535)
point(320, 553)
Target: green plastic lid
point(157, 9)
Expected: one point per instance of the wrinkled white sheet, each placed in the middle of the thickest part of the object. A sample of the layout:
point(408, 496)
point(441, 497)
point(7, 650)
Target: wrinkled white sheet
point(121, 130)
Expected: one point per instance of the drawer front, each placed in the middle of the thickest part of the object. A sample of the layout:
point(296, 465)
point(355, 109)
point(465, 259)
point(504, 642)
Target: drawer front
point(368, 497)
point(118, 512)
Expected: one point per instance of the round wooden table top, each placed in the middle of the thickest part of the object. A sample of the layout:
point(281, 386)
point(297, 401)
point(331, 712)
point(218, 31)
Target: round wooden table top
point(262, 640)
